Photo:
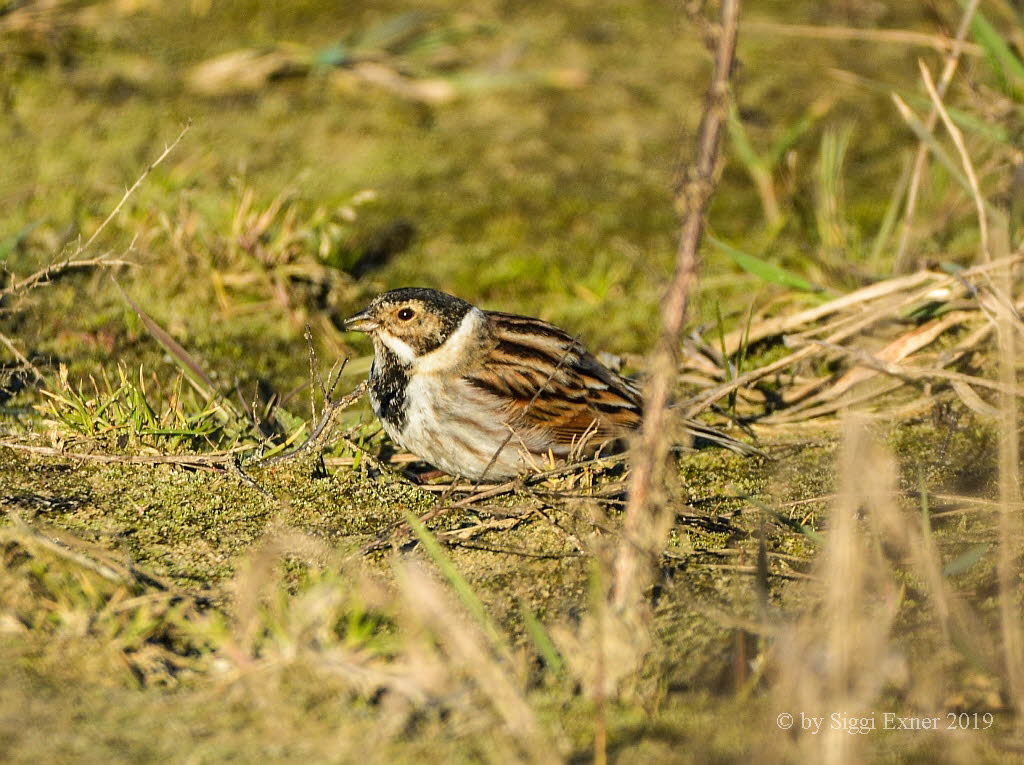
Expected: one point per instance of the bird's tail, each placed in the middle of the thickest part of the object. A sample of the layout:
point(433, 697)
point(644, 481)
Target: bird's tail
point(705, 433)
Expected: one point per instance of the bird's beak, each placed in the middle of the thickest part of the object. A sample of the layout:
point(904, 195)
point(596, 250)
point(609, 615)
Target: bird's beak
point(360, 322)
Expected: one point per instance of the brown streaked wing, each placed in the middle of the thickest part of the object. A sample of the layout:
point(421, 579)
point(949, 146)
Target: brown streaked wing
point(611, 394)
point(551, 382)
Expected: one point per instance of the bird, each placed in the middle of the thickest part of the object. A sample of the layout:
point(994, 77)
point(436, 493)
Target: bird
point(487, 395)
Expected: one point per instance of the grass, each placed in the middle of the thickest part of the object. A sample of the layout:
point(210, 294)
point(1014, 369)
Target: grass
point(326, 608)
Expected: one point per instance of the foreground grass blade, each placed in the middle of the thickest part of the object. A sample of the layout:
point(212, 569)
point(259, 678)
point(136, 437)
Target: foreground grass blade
point(540, 638)
point(951, 167)
point(964, 119)
point(963, 562)
point(458, 582)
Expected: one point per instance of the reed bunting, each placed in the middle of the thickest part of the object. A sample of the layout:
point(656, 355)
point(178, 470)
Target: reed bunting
point(483, 394)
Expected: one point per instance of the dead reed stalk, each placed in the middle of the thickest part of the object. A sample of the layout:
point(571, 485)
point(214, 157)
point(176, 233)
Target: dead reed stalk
point(646, 524)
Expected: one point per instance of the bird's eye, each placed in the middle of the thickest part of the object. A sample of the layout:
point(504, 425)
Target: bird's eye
point(406, 313)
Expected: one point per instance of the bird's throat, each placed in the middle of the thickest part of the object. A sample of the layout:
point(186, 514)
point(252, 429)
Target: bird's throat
point(389, 379)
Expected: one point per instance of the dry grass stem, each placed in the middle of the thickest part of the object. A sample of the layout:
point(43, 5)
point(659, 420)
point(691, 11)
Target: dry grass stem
point(222, 458)
point(1010, 525)
point(467, 650)
point(914, 373)
point(644, 519)
point(34, 536)
point(837, 659)
point(131, 190)
point(902, 257)
point(782, 324)
point(889, 36)
point(971, 307)
point(965, 158)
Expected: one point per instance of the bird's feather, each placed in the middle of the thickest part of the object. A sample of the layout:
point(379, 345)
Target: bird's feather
point(550, 383)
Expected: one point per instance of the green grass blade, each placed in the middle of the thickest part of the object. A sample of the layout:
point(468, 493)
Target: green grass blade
point(455, 578)
point(830, 194)
point(720, 326)
point(794, 132)
point(740, 141)
point(964, 561)
point(768, 272)
point(964, 120)
point(931, 142)
point(540, 638)
point(1005, 63)
point(892, 213)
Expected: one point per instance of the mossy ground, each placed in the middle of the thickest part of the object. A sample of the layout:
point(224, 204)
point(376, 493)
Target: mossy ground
point(537, 198)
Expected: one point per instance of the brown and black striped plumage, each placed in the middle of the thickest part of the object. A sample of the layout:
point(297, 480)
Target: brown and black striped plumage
point(548, 380)
point(485, 394)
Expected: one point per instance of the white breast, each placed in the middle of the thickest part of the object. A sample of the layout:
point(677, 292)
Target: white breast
point(459, 429)
point(452, 424)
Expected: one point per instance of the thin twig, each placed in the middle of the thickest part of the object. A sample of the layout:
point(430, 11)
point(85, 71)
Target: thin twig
point(644, 520)
point(73, 261)
point(248, 480)
point(320, 432)
point(20, 357)
point(131, 190)
point(53, 270)
point(896, 36)
point(479, 493)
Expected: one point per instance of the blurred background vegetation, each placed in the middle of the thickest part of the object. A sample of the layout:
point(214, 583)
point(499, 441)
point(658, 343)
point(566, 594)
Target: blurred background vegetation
point(522, 156)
